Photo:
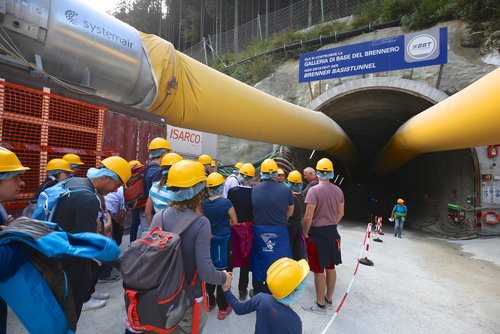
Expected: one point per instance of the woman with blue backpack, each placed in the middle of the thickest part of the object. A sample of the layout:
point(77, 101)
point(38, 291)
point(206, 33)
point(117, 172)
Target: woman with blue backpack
point(221, 214)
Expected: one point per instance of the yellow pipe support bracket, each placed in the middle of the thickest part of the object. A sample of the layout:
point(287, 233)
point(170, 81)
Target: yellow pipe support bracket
point(204, 99)
point(466, 119)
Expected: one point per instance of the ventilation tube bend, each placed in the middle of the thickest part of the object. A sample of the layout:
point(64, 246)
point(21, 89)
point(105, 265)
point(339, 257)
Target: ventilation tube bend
point(467, 119)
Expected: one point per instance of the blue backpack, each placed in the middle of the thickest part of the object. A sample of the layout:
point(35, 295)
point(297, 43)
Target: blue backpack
point(38, 291)
point(46, 204)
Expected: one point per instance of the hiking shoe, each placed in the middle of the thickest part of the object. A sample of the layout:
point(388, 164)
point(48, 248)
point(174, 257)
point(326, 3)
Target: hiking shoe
point(250, 293)
point(101, 295)
point(243, 294)
point(224, 313)
point(328, 304)
point(93, 304)
point(110, 279)
point(314, 308)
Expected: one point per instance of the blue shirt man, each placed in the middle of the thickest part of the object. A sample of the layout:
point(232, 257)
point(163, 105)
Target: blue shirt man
point(272, 203)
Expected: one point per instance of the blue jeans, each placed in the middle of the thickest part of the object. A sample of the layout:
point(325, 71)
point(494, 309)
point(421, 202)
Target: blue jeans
point(136, 221)
point(398, 226)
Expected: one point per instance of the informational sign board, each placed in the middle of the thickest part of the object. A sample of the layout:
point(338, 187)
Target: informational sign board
point(423, 48)
point(192, 142)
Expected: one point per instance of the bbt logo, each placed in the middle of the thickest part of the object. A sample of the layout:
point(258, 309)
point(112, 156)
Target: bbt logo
point(268, 243)
point(72, 17)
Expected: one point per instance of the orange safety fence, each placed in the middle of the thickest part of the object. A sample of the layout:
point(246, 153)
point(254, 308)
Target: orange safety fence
point(39, 126)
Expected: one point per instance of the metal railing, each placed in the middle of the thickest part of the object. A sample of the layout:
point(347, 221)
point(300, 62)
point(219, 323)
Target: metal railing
point(298, 16)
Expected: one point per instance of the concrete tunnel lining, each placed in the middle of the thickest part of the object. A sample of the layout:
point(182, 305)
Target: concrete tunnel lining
point(370, 111)
point(385, 101)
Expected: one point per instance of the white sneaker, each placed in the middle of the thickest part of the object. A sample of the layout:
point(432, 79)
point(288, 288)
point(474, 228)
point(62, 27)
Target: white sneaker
point(314, 308)
point(329, 304)
point(100, 295)
point(93, 304)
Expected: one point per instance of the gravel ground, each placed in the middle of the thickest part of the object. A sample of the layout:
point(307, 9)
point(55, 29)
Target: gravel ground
point(417, 285)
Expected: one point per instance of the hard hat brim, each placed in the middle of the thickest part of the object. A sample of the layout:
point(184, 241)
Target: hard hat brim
point(16, 169)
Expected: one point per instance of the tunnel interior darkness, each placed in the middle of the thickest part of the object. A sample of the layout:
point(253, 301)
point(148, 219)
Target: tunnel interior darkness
point(427, 183)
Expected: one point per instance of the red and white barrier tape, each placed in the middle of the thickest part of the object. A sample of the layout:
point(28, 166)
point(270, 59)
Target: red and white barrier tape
point(366, 243)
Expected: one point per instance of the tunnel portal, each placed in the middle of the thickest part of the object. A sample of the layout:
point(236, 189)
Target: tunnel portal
point(370, 113)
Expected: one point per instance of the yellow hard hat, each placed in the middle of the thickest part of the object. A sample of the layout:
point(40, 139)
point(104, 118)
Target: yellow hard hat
point(59, 164)
point(9, 161)
point(213, 164)
point(247, 170)
point(132, 163)
point(284, 275)
point(170, 158)
point(120, 166)
point(238, 165)
point(205, 159)
point(294, 177)
point(324, 165)
point(400, 201)
point(280, 171)
point(158, 143)
point(214, 180)
point(186, 173)
point(269, 166)
point(73, 159)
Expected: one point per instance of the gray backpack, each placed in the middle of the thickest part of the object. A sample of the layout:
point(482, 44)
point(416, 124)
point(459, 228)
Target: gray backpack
point(156, 294)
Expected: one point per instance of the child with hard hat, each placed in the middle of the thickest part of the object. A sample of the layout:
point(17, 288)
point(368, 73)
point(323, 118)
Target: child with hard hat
point(286, 279)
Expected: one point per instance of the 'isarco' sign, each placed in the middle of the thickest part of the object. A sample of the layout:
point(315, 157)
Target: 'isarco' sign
point(192, 142)
point(423, 48)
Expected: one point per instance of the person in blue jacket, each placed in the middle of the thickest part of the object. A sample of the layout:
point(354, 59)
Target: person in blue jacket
point(11, 257)
point(286, 279)
point(398, 215)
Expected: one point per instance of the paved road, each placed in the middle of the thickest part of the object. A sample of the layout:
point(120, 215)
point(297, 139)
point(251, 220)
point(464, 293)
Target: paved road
point(417, 285)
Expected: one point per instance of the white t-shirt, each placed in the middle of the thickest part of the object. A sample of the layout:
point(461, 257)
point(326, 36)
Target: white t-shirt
point(231, 181)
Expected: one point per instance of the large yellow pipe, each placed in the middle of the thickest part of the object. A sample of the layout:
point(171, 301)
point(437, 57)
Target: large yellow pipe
point(210, 101)
point(467, 119)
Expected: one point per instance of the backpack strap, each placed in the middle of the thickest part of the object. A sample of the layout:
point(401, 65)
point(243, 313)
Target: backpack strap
point(232, 175)
point(182, 224)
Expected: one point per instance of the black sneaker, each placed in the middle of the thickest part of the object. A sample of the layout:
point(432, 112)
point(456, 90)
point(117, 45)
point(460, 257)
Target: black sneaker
point(250, 293)
point(243, 294)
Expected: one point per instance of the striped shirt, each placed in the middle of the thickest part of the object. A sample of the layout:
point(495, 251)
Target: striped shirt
point(159, 198)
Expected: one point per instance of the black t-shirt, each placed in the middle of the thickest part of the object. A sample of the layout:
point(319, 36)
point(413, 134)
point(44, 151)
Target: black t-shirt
point(78, 212)
point(295, 220)
point(241, 197)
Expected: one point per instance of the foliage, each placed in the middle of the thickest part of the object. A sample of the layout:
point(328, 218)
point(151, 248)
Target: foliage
point(474, 11)
point(428, 13)
point(367, 13)
point(419, 14)
point(251, 71)
point(184, 22)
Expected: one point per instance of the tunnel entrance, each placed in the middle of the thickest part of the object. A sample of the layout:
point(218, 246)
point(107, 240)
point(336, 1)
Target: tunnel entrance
point(370, 111)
